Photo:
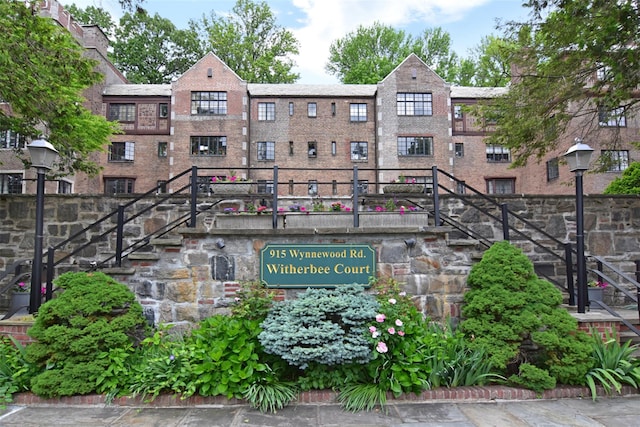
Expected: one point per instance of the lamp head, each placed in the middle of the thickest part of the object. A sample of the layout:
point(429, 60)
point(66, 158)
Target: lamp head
point(43, 154)
point(578, 156)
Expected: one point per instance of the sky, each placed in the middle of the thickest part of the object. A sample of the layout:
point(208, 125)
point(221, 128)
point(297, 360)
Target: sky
point(317, 23)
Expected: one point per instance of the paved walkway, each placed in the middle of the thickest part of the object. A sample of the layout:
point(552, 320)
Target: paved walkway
point(614, 412)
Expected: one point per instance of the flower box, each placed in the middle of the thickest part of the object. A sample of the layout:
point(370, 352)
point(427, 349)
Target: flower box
point(394, 219)
point(319, 220)
point(246, 221)
point(403, 188)
point(230, 188)
point(595, 294)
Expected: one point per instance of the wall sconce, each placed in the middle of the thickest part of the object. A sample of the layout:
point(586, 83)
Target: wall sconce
point(411, 243)
point(220, 243)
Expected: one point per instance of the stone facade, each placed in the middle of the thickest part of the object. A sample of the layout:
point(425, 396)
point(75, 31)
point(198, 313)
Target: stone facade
point(187, 275)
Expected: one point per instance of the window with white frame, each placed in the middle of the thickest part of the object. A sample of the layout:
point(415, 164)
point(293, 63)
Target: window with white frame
point(457, 112)
point(501, 185)
point(10, 183)
point(615, 160)
point(209, 103)
point(458, 149)
point(208, 145)
point(611, 118)
point(122, 151)
point(603, 72)
point(358, 112)
point(122, 112)
point(312, 109)
point(414, 104)
point(11, 139)
point(415, 146)
point(265, 186)
point(553, 169)
point(359, 150)
point(498, 153)
point(266, 111)
point(266, 150)
point(65, 187)
point(162, 149)
point(119, 185)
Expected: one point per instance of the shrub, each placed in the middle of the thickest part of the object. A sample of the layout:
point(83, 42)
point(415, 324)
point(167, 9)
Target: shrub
point(516, 318)
point(321, 325)
point(93, 314)
point(15, 371)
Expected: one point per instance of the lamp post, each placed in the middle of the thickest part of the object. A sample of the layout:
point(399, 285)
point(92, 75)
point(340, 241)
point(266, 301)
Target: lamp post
point(578, 158)
point(43, 156)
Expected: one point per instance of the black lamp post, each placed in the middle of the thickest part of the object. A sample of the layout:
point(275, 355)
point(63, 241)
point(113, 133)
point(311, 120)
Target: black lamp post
point(578, 158)
point(43, 156)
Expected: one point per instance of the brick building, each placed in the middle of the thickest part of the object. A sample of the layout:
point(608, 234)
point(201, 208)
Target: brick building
point(209, 117)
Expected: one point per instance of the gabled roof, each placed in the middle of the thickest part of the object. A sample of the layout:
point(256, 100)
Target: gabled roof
point(203, 59)
point(137, 90)
point(337, 90)
point(477, 92)
point(412, 55)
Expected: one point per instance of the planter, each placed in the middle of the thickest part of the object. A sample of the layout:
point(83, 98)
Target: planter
point(319, 220)
point(230, 188)
point(246, 222)
point(19, 305)
point(394, 219)
point(595, 294)
point(403, 188)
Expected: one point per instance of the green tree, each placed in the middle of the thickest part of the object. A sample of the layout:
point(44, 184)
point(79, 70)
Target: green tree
point(250, 43)
point(492, 60)
point(93, 16)
point(150, 49)
point(42, 76)
point(628, 183)
point(578, 64)
point(369, 54)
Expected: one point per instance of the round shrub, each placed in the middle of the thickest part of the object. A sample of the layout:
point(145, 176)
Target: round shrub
point(93, 314)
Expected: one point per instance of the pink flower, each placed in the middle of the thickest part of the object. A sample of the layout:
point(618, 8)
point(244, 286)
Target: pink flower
point(403, 294)
point(379, 209)
point(233, 178)
point(347, 209)
point(392, 301)
point(380, 318)
point(398, 322)
point(375, 334)
point(391, 330)
point(382, 347)
point(401, 210)
point(214, 179)
point(372, 329)
point(401, 333)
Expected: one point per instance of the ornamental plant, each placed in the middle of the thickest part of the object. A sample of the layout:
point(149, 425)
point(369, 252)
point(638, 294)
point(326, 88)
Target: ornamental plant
point(516, 317)
point(93, 314)
point(325, 326)
point(21, 288)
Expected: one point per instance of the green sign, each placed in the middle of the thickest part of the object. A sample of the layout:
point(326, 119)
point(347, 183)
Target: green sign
point(311, 265)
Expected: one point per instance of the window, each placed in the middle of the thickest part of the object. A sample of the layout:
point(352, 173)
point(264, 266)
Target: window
point(265, 186)
point(611, 118)
point(363, 186)
point(204, 184)
point(333, 148)
point(209, 103)
point(333, 108)
point(334, 187)
point(119, 185)
point(11, 139)
point(458, 149)
point(414, 104)
point(553, 171)
point(313, 187)
point(208, 145)
point(163, 110)
point(501, 186)
point(291, 148)
point(312, 148)
point(615, 160)
point(457, 112)
point(498, 153)
point(161, 187)
point(359, 150)
point(266, 150)
point(415, 146)
point(358, 112)
point(65, 187)
point(121, 151)
point(266, 111)
point(10, 183)
point(312, 109)
point(162, 149)
point(290, 187)
point(603, 72)
point(461, 187)
point(122, 112)
point(291, 108)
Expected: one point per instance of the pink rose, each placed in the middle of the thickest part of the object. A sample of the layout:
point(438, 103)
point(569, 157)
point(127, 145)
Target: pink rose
point(382, 347)
point(380, 318)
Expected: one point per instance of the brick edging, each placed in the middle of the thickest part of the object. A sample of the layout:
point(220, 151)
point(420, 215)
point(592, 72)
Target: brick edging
point(459, 394)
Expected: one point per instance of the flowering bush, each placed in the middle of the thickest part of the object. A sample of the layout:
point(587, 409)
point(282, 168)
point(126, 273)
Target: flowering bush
point(597, 284)
point(338, 207)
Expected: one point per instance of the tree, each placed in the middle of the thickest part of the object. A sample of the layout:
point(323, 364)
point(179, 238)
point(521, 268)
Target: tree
point(250, 43)
point(369, 54)
point(42, 76)
point(628, 183)
point(150, 49)
point(492, 61)
point(577, 68)
point(93, 16)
